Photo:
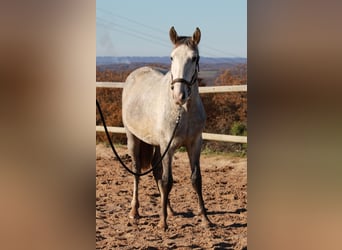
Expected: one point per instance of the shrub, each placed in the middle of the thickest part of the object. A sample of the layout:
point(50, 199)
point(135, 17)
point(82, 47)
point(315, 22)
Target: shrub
point(240, 129)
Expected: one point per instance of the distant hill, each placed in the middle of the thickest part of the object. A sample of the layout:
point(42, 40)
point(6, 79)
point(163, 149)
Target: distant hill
point(104, 60)
point(210, 68)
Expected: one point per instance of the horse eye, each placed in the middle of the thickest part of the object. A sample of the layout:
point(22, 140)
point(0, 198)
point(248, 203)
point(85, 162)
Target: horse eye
point(171, 58)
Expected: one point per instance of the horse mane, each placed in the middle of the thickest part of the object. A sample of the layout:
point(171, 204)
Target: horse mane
point(187, 40)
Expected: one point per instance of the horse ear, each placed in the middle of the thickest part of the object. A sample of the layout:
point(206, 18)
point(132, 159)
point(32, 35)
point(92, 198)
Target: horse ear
point(196, 37)
point(173, 35)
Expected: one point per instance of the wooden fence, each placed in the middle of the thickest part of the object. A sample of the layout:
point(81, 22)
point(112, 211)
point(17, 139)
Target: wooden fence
point(206, 136)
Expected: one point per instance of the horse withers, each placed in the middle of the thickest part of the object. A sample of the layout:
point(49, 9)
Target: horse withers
point(151, 103)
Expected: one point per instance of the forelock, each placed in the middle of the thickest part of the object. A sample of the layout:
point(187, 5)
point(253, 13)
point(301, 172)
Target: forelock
point(187, 41)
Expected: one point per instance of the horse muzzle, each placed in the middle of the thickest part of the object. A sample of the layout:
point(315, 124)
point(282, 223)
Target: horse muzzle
point(180, 98)
point(181, 91)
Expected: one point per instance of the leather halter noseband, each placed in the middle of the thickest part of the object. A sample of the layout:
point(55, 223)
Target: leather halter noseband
point(187, 83)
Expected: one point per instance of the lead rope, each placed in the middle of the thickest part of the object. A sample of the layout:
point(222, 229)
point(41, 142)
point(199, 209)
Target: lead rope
point(117, 155)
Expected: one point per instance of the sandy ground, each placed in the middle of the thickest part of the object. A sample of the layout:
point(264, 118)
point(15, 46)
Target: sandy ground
point(224, 192)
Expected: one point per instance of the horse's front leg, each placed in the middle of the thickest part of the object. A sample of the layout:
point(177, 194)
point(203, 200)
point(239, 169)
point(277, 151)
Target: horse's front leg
point(194, 152)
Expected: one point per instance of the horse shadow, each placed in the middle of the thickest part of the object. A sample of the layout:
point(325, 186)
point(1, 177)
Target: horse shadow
point(237, 211)
point(223, 245)
point(190, 214)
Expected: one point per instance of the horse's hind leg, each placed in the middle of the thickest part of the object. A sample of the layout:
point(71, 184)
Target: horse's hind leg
point(133, 144)
point(164, 181)
point(157, 173)
point(194, 151)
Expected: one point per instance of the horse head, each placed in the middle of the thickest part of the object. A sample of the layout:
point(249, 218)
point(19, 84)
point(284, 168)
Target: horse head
point(184, 64)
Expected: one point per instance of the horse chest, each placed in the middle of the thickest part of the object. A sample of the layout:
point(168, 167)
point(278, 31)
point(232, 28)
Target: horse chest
point(191, 126)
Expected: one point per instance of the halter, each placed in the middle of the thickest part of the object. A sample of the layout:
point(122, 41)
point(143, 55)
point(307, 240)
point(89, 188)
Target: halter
point(187, 83)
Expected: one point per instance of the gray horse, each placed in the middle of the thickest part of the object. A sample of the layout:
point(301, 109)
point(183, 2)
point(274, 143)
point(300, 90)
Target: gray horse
point(151, 103)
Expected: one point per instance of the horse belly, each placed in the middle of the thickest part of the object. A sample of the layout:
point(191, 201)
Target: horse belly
point(145, 134)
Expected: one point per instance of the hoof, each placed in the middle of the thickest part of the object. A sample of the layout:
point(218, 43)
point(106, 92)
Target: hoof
point(134, 215)
point(170, 212)
point(201, 212)
point(163, 225)
point(207, 223)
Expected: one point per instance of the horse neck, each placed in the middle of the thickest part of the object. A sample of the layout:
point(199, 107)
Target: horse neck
point(192, 103)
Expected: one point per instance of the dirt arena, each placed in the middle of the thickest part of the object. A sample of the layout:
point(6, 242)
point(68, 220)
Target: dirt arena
point(224, 191)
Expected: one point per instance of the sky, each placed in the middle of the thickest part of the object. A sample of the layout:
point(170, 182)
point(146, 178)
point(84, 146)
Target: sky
point(141, 28)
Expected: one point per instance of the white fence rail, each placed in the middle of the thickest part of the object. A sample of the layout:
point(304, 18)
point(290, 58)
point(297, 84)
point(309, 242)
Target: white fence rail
point(212, 89)
point(206, 136)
